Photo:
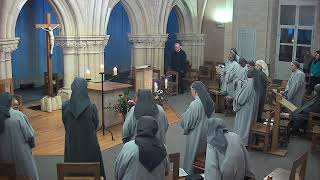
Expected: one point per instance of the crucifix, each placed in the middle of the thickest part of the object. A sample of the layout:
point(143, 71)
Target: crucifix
point(50, 44)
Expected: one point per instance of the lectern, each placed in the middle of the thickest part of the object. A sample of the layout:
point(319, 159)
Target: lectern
point(143, 77)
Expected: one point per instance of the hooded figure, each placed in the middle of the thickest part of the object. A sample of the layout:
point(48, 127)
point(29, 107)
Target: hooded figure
point(145, 106)
point(144, 158)
point(296, 85)
point(245, 106)
point(194, 124)
point(80, 119)
point(226, 156)
point(241, 75)
point(17, 138)
point(261, 80)
point(300, 116)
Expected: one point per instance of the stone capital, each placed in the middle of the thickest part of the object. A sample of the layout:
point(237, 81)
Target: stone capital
point(7, 46)
point(83, 43)
point(192, 39)
point(148, 41)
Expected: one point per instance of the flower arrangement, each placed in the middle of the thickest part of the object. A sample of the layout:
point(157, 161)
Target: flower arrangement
point(160, 96)
point(123, 104)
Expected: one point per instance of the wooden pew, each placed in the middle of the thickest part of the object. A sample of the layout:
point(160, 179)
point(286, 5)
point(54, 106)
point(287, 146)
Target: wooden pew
point(8, 172)
point(280, 102)
point(79, 168)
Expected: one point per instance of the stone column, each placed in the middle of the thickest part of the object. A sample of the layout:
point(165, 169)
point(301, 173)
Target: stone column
point(148, 50)
point(193, 45)
point(7, 46)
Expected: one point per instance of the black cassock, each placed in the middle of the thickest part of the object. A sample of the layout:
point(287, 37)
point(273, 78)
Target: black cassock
point(80, 118)
point(261, 81)
point(179, 64)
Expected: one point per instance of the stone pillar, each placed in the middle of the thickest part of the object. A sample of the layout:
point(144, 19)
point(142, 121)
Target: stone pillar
point(193, 45)
point(7, 46)
point(148, 50)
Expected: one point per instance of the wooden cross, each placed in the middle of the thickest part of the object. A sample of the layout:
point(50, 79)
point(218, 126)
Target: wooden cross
point(50, 44)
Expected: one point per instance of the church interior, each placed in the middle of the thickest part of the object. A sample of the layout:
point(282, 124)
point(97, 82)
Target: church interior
point(253, 64)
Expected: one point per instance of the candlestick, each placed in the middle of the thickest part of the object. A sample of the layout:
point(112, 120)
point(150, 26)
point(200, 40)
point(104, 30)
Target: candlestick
point(88, 74)
point(115, 71)
point(166, 83)
point(155, 87)
point(101, 68)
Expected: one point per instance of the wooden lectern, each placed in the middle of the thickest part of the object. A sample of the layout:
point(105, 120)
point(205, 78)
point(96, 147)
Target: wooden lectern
point(143, 77)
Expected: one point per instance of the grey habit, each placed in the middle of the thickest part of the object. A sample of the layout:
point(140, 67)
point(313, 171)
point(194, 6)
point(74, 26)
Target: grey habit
point(245, 106)
point(154, 165)
point(226, 157)
point(80, 118)
point(230, 77)
point(296, 88)
point(240, 78)
point(130, 125)
point(194, 124)
point(146, 106)
point(17, 138)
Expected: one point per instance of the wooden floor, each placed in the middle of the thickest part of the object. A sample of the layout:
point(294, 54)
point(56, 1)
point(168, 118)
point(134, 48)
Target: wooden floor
point(50, 131)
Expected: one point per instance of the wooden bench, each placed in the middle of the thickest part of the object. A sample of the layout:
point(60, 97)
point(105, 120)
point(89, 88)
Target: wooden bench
point(315, 138)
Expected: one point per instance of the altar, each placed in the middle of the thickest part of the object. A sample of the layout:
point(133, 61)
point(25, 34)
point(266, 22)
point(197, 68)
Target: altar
point(111, 92)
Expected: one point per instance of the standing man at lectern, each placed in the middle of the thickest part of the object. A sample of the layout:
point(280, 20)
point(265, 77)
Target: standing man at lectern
point(179, 63)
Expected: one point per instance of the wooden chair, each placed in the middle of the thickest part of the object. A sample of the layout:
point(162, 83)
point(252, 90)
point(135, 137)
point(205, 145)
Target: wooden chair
point(204, 73)
point(298, 170)
point(6, 85)
point(228, 102)
point(175, 159)
point(314, 127)
point(79, 168)
point(218, 99)
point(8, 172)
point(191, 76)
point(173, 83)
point(211, 65)
point(261, 130)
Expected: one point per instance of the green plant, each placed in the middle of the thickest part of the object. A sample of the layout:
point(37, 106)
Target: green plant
point(122, 105)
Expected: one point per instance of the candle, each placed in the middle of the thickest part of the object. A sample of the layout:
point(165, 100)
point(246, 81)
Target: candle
point(115, 71)
point(155, 87)
point(166, 83)
point(88, 74)
point(101, 68)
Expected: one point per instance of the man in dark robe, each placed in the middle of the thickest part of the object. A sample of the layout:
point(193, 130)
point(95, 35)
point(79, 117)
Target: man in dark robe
point(300, 116)
point(261, 80)
point(179, 64)
point(80, 119)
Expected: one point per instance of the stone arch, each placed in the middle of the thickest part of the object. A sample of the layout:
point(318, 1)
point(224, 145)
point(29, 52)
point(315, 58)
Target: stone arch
point(63, 10)
point(184, 16)
point(134, 10)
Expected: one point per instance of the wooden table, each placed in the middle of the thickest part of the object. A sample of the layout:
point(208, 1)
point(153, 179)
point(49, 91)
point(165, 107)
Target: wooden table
point(111, 92)
point(218, 99)
point(279, 174)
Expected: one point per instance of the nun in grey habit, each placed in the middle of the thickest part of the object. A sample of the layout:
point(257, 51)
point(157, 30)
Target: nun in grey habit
point(226, 157)
point(296, 86)
point(241, 76)
point(145, 157)
point(231, 76)
point(80, 119)
point(146, 106)
point(245, 106)
point(194, 124)
point(17, 138)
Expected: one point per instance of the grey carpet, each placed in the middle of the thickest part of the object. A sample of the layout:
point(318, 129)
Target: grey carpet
point(263, 163)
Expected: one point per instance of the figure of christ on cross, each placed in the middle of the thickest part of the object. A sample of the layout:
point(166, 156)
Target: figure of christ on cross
point(50, 42)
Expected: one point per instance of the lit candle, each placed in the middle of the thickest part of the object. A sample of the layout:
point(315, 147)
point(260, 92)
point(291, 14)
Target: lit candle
point(155, 87)
point(88, 74)
point(101, 68)
point(166, 83)
point(115, 71)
